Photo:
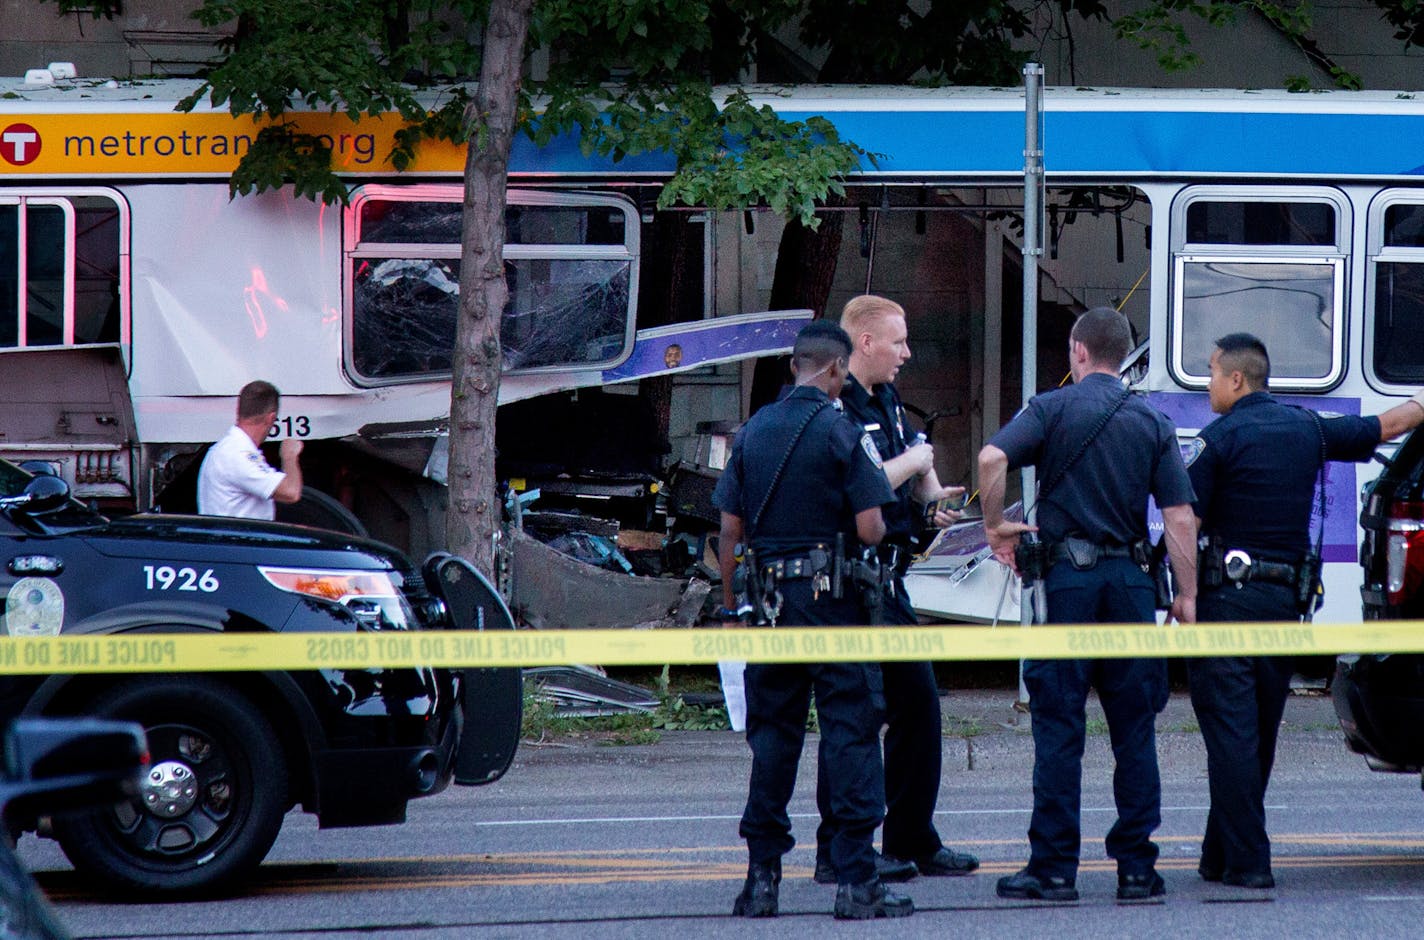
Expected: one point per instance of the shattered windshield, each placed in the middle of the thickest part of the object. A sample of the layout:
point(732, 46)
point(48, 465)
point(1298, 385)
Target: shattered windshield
point(570, 266)
point(560, 312)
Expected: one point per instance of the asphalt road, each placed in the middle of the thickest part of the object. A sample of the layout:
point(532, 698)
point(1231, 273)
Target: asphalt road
point(586, 840)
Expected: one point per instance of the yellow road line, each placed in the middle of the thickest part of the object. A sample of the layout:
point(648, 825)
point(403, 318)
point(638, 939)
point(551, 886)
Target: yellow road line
point(644, 866)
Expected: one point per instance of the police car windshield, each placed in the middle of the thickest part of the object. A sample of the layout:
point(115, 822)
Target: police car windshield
point(13, 480)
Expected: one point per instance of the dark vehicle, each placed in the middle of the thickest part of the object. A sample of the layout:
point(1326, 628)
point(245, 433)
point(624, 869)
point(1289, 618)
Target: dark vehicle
point(50, 765)
point(1380, 697)
point(232, 752)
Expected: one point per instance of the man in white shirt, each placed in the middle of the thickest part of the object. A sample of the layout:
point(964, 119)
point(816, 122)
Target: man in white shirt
point(235, 479)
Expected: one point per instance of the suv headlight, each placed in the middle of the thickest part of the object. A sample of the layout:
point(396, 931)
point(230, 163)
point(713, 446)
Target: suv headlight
point(370, 596)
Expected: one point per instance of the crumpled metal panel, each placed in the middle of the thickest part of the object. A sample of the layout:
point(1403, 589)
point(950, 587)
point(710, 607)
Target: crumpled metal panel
point(554, 592)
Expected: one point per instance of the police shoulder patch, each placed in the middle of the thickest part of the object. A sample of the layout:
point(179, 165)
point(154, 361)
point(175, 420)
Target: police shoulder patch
point(871, 451)
point(1192, 449)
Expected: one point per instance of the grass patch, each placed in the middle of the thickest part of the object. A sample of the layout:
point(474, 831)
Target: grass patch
point(955, 727)
point(542, 724)
point(1097, 726)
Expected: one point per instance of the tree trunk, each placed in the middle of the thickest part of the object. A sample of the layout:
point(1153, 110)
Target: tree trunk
point(474, 511)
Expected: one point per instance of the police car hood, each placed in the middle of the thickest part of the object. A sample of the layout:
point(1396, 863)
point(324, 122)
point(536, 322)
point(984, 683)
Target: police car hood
point(217, 538)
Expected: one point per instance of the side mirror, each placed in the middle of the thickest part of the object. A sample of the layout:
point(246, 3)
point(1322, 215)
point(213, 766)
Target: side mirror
point(53, 764)
point(38, 468)
point(41, 494)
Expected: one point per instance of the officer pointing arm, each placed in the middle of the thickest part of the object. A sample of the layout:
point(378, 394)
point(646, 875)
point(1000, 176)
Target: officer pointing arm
point(1256, 471)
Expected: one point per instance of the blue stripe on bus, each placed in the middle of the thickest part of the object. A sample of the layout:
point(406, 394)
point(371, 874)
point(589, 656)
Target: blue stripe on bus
point(1085, 142)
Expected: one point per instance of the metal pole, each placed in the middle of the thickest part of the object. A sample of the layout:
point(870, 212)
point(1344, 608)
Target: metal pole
point(1032, 597)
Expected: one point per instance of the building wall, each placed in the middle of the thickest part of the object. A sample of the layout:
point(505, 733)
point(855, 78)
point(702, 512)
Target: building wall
point(150, 37)
point(1249, 53)
point(159, 37)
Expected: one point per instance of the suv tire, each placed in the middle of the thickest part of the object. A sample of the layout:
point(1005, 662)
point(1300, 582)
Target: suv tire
point(210, 804)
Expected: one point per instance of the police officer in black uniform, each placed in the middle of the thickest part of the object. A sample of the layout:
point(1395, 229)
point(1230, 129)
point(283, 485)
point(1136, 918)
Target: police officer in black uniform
point(913, 740)
point(1101, 452)
point(802, 483)
point(1255, 471)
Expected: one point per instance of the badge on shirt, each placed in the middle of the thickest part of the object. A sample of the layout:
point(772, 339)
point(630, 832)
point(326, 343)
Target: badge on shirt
point(871, 451)
point(1192, 449)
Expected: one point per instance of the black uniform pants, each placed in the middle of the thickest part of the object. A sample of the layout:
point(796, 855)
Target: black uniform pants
point(914, 750)
point(1239, 701)
point(1132, 692)
point(851, 707)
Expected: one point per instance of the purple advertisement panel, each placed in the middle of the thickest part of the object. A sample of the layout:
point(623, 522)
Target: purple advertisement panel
point(1192, 410)
point(679, 347)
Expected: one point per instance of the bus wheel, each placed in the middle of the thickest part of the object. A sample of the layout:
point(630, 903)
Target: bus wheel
point(321, 511)
point(209, 806)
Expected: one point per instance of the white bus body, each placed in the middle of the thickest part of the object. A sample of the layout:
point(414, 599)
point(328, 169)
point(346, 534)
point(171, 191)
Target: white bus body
point(1297, 217)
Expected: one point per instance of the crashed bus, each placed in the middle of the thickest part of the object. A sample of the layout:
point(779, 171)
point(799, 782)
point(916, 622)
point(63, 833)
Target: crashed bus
point(136, 297)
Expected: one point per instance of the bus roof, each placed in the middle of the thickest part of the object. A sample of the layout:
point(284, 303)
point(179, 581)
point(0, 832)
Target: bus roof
point(129, 129)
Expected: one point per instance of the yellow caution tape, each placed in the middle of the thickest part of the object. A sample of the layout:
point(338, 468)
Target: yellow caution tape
point(196, 652)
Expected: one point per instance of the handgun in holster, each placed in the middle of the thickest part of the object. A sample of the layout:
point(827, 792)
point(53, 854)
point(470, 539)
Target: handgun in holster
point(869, 577)
point(1211, 566)
point(754, 588)
point(1309, 592)
point(1031, 557)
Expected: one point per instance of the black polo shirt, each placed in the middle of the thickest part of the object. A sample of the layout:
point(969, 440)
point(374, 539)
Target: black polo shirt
point(831, 474)
point(1103, 494)
point(1255, 470)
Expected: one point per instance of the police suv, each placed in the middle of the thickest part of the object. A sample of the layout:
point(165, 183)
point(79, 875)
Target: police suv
point(233, 751)
point(1380, 697)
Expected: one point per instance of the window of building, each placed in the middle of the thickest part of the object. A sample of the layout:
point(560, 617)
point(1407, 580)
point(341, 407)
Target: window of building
point(1267, 261)
point(570, 261)
point(61, 267)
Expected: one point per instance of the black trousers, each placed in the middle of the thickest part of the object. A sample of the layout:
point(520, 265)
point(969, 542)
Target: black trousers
point(1239, 701)
point(851, 707)
point(1132, 692)
point(914, 751)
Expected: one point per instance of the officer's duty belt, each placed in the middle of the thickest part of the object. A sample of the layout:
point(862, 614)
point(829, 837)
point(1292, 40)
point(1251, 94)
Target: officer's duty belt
point(790, 569)
point(1238, 567)
point(1058, 551)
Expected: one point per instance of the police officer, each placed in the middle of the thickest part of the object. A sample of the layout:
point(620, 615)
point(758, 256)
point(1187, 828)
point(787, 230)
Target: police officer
point(800, 475)
point(1101, 452)
point(913, 742)
point(1255, 471)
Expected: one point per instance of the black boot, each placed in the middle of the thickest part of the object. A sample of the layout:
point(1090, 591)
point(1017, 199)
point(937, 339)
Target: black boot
point(759, 894)
point(887, 868)
point(869, 900)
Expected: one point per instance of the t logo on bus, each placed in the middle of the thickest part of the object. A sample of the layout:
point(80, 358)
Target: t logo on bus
point(19, 144)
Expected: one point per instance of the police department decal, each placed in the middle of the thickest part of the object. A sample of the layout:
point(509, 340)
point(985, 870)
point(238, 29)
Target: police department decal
point(34, 607)
point(1192, 449)
point(871, 451)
